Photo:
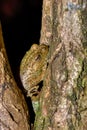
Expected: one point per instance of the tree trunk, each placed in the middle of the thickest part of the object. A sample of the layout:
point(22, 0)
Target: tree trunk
point(13, 108)
point(63, 102)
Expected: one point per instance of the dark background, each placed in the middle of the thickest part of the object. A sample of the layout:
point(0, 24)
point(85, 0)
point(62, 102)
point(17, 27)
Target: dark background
point(20, 30)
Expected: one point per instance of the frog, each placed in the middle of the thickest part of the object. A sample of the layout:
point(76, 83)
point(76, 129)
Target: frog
point(33, 68)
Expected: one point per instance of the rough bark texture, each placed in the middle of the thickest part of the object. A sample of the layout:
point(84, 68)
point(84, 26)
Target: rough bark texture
point(13, 109)
point(63, 102)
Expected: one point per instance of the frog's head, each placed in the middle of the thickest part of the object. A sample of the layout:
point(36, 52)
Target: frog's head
point(44, 50)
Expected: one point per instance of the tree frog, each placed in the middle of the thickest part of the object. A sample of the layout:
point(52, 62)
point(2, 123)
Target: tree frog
point(33, 67)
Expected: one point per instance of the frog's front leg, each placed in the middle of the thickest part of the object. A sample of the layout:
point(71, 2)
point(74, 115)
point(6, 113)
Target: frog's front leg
point(34, 93)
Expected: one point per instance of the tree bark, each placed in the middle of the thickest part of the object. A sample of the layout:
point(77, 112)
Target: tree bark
point(63, 102)
point(14, 113)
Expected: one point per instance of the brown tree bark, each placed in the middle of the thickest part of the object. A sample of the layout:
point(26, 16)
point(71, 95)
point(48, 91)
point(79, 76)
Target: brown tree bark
point(63, 102)
point(14, 113)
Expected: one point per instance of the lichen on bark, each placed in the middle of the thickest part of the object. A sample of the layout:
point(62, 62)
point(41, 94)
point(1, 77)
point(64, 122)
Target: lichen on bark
point(63, 103)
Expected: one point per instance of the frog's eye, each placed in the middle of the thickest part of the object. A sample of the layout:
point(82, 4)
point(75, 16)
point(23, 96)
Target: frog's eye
point(43, 48)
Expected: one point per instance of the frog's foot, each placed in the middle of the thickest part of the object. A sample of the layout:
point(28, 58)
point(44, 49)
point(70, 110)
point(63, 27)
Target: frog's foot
point(34, 93)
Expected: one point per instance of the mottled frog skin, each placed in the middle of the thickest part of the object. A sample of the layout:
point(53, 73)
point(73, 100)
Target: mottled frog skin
point(33, 67)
